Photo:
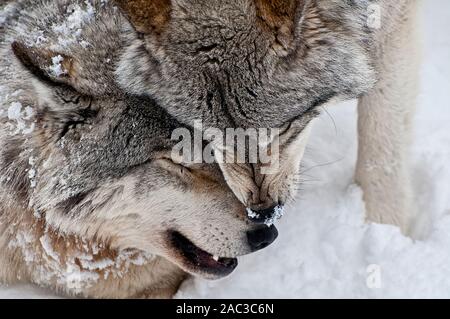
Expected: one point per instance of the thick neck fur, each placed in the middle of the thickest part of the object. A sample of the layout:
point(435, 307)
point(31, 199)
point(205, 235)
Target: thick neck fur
point(30, 251)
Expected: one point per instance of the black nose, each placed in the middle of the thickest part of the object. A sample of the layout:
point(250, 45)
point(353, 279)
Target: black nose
point(262, 237)
point(264, 215)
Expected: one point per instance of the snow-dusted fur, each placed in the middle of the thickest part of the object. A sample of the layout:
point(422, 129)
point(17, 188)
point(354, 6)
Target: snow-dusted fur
point(89, 196)
point(268, 63)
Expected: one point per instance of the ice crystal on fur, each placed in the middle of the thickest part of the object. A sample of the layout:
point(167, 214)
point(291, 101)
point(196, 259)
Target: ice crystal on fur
point(70, 30)
point(277, 215)
point(23, 240)
point(57, 69)
point(252, 214)
point(19, 115)
point(15, 111)
point(47, 246)
point(32, 172)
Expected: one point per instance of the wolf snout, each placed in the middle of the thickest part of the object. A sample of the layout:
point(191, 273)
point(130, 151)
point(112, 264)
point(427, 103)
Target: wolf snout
point(261, 237)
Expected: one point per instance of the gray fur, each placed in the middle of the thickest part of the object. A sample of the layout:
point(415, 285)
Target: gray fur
point(85, 164)
point(213, 62)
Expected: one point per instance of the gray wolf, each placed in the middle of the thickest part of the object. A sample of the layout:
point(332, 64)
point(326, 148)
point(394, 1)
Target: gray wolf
point(276, 64)
point(91, 202)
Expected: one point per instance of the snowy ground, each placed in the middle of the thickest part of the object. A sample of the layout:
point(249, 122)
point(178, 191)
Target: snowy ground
point(324, 248)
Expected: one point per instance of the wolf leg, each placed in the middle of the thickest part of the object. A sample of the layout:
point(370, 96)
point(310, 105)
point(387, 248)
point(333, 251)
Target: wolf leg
point(384, 124)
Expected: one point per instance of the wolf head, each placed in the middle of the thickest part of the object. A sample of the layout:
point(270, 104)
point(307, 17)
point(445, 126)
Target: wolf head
point(94, 162)
point(250, 64)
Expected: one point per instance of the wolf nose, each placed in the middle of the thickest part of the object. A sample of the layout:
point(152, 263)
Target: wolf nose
point(262, 237)
point(268, 215)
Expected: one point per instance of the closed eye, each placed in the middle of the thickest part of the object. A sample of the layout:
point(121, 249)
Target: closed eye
point(174, 168)
point(311, 112)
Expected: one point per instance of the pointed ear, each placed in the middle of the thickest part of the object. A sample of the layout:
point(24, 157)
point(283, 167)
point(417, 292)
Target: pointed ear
point(46, 65)
point(281, 16)
point(147, 16)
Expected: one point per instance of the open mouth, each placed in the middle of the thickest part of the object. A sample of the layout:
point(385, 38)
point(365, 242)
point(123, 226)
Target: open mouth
point(199, 261)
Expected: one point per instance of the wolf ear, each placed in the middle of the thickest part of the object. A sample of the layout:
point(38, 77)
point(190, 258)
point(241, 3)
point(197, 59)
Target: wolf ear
point(282, 17)
point(46, 65)
point(147, 16)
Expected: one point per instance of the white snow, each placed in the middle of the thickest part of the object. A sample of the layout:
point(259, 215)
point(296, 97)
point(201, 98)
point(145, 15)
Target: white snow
point(33, 183)
point(15, 111)
point(70, 30)
point(56, 68)
point(29, 112)
point(278, 214)
point(19, 115)
point(32, 161)
point(23, 240)
point(252, 214)
point(48, 248)
point(40, 38)
point(89, 264)
point(32, 173)
point(325, 249)
point(78, 279)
